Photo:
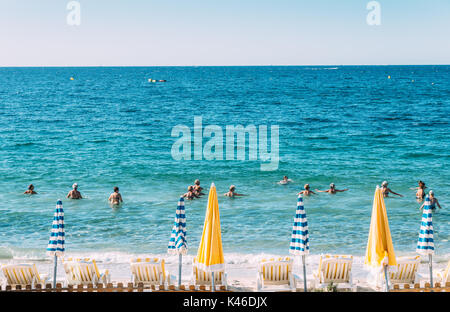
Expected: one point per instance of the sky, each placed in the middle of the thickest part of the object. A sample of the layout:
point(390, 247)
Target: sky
point(218, 32)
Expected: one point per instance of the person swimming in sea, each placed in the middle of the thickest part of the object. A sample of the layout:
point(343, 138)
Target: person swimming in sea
point(420, 194)
point(232, 193)
point(30, 190)
point(197, 188)
point(306, 190)
point(115, 198)
point(74, 193)
point(285, 180)
point(332, 189)
point(433, 201)
point(190, 193)
point(385, 190)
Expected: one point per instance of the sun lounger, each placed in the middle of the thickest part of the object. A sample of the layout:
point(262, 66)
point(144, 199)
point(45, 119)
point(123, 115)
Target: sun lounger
point(23, 274)
point(201, 277)
point(336, 269)
point(444, 275)
point(84, 271)
point(149, 271)
point(405, 272)
point(276, 272)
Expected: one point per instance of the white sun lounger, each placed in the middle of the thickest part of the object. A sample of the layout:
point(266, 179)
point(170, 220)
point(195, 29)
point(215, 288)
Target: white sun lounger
point(150, 271)
point(276, 272)
point(336, 269)
point(84, 271)
point(405, 272)
point(201, 277)
point(23, 274)
point(444, 275)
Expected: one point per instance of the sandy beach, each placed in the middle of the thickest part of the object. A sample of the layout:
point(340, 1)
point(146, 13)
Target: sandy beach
point(241, 272)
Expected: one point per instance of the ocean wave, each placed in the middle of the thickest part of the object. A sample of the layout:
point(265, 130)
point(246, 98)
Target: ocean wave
point(318, 138)
point(98, 141)
point(24, 144)
point(418, 155)
point(6, 253)
point(233, 259)
point(321, 68)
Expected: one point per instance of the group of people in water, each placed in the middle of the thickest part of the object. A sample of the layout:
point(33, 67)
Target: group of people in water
point(115, 198)
point(196, 191)
point(420, 193)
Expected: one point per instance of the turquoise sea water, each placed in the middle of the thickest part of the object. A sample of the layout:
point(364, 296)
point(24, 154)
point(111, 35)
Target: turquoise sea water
point(349, 125)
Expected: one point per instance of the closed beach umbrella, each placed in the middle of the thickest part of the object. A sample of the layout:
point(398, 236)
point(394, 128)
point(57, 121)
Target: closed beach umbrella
point(425, 243)
point(380, 250)
point(300, 236)
point(177, 242)
point(55, 246)
point(210, 252)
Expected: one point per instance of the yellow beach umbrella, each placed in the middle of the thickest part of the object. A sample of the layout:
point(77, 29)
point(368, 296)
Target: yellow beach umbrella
point(210, 252)
point(380, 250)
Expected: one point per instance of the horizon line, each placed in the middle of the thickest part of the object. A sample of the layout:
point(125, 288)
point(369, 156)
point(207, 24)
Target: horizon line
point(260, 65)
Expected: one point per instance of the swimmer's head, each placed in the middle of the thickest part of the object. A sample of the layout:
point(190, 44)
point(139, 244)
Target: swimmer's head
point(306, 187)
point(431, 193)
point(385, 183)
point(285, 178)
point(75, 186)
point(232, 188)
point(332, 185)
point(197, 182)
point(31, 187)
point(116, 188)
point(190, 188)
point(421, 183)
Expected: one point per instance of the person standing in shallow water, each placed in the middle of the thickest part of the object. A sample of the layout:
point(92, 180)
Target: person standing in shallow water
point(190, 193)
point(74, 193)
point(197, 188)
point(420, 194)
point(115, 198)
point(30, 190)
point(285, 180)
point(332, 189)
point(385, 190)
point(433, 201)
point(232, 193)
point(307, 191)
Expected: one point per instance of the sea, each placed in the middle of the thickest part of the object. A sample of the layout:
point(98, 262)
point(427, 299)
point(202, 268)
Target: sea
point(100, 127)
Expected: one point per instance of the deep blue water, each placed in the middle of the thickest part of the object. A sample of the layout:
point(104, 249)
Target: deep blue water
point(349, 125)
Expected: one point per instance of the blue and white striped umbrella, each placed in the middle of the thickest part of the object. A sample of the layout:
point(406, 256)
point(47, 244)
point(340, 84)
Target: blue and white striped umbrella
point(300, 236)
point(425, 243)
point(56, 243)
point(177, 242)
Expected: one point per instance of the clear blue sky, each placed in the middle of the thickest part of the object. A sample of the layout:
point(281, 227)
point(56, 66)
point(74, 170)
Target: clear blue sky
point(231, 32)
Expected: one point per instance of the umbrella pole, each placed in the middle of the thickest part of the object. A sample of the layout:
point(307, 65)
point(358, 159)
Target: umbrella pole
point(54, 271)
point(305, 286)
point(213, 288)
point(180, 261)
point(430, 264)
point(386, 278)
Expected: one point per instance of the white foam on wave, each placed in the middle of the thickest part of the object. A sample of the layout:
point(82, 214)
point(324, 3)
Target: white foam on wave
point(234, 259)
